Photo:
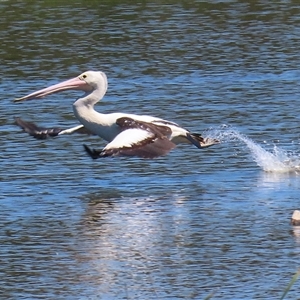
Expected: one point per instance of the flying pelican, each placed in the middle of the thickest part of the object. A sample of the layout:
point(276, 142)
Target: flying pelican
point(127, 134)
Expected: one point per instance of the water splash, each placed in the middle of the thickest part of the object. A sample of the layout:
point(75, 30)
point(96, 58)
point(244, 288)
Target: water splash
point(277, 161)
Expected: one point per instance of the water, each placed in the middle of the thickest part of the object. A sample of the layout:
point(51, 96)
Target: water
point(178, 227)
point(276, 161)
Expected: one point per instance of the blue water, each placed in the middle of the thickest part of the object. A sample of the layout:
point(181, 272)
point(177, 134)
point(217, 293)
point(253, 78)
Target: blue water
point(178, 227)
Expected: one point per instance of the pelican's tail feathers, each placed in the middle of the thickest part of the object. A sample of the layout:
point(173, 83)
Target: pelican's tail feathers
point(201, 142)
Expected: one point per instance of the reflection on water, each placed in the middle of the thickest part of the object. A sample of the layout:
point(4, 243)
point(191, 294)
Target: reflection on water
point(178, 227)
point(277, 179)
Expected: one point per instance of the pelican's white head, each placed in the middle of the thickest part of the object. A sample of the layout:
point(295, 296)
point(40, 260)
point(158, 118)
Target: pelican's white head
point(96, 79)
point(89, 81)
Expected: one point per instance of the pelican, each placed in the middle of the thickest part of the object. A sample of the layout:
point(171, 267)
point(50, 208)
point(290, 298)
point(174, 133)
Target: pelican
point(127, 134)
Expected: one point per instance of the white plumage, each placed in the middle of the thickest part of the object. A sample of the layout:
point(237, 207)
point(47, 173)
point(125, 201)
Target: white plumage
point(128, 138)
point(127, 134)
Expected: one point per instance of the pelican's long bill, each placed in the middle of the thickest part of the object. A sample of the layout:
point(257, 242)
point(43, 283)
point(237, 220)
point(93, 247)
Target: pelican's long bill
point(71, 84)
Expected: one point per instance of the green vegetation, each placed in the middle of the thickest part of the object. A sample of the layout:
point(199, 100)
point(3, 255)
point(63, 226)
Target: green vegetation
point(294, 278)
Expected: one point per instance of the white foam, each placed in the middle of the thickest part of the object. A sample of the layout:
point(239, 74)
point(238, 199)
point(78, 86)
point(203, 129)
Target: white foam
point(277, 161)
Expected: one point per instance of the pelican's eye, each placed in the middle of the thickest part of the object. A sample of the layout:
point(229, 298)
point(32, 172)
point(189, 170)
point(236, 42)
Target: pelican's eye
point(84, 76)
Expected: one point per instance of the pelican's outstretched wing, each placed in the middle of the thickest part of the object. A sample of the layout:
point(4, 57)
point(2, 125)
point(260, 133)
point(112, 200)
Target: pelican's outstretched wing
point(43, 133)
point(136, 138)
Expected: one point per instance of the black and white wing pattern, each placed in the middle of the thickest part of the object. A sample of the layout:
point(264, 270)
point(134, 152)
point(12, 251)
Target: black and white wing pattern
point(42, 133)
point(137, 138)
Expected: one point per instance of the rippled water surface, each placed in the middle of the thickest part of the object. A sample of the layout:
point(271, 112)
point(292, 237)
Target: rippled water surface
point(178, 227)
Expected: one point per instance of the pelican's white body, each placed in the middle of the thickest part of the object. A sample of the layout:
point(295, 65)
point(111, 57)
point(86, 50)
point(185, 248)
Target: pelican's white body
point(104, 125)
point(150, 136)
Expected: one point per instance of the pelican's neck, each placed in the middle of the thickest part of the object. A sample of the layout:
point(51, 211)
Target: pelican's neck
point(89, 99)
point(84, 109)
point(98, 123)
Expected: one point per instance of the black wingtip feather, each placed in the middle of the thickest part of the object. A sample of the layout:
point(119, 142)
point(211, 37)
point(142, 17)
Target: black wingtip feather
point(36, 131)
point(94, 154)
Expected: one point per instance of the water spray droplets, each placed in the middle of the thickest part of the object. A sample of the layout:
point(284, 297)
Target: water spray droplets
point(277, 160)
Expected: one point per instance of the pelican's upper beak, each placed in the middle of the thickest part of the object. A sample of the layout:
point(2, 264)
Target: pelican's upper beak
point(71, 84)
